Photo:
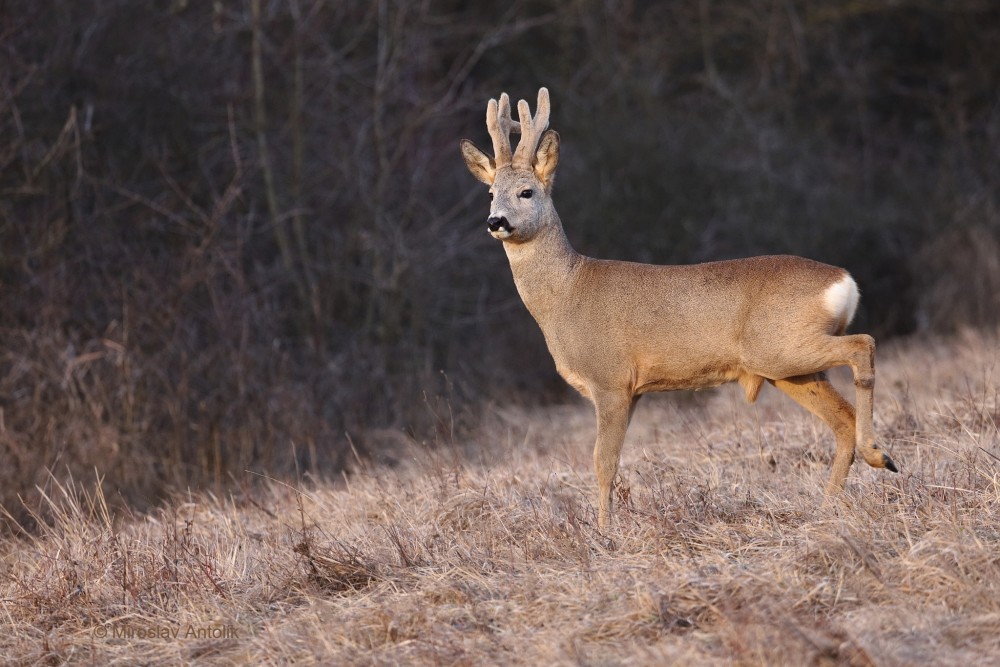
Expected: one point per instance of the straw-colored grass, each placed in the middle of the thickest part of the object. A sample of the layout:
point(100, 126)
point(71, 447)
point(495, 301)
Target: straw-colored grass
point(723, 551)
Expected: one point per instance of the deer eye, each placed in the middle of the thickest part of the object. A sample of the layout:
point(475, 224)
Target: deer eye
point(525, 194)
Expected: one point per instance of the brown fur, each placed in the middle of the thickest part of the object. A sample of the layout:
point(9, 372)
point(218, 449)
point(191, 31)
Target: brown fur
point(617, 330)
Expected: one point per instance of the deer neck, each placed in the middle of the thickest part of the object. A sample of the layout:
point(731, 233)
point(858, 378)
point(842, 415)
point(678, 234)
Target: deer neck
point(544, 268)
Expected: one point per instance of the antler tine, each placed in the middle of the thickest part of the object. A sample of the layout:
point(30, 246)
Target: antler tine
point(500, 125)
point(505, 113)
point(532, 128)
point(542, 110)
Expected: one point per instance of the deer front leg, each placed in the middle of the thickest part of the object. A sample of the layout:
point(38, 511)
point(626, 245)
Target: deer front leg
point(613, 412)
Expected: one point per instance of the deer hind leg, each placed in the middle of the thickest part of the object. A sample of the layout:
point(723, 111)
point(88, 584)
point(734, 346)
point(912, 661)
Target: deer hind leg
point(614, 410)
point(817, 395)
point(861, 358)
point(810, 355)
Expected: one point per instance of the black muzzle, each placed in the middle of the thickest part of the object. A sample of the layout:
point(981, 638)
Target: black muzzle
point(496, 223)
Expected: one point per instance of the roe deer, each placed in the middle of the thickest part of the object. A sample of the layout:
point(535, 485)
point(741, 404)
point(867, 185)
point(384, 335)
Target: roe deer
point(617, 330)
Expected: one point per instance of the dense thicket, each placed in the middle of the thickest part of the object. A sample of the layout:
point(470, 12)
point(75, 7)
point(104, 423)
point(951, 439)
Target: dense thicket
point(238, 235)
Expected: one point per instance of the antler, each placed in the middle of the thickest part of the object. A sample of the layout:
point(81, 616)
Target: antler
point(500, 125)
point(531, 128)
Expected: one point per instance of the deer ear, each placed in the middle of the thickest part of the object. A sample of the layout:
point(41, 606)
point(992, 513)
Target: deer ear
point(546, 158)
point(482, 166)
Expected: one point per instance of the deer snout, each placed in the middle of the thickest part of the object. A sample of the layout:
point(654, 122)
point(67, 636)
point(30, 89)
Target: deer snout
point(497, 223)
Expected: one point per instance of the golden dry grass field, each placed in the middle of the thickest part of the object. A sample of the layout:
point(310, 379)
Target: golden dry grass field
point(724, 551)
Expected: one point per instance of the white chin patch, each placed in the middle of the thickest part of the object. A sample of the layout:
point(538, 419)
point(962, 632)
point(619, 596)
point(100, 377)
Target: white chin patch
point(501, 234)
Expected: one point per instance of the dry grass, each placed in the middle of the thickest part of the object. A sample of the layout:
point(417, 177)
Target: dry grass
point(723, 553)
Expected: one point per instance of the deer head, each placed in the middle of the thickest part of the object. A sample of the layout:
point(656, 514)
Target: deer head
point(520, 183)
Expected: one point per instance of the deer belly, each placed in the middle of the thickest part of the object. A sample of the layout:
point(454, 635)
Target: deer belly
point(669, 378)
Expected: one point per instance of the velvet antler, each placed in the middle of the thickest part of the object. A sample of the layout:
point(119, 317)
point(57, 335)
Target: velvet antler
point(531, 129)
point(500, 124)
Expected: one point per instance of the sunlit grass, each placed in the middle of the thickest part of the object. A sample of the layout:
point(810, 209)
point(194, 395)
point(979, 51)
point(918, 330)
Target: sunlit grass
point(723, 552)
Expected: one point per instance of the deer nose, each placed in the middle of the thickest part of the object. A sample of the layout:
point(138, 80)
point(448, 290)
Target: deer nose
point(497, 222)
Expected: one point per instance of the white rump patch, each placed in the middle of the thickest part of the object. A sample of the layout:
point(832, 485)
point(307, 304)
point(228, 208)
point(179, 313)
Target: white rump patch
point(841, 300)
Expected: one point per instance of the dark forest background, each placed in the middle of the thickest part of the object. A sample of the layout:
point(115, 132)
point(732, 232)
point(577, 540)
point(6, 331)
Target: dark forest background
point(238, 235)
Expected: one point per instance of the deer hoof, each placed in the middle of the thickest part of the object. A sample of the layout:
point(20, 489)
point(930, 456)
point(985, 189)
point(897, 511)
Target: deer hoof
point(888, 463)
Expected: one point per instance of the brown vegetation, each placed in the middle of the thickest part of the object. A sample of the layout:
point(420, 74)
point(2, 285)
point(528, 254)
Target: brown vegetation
point(724, 552)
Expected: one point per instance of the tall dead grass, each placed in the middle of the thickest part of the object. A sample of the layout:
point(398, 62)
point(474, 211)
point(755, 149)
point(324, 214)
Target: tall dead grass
point(723, 552)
